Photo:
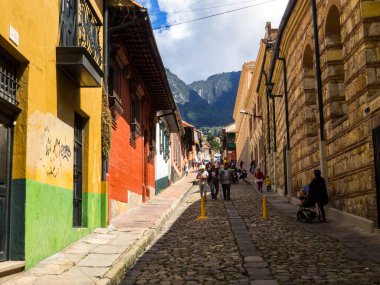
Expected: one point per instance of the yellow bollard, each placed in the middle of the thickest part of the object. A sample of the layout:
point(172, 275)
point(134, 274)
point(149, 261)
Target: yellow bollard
point(203, 215)
point(264, 207)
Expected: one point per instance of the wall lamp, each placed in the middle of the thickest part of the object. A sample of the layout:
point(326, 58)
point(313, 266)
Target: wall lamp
point(253, 115)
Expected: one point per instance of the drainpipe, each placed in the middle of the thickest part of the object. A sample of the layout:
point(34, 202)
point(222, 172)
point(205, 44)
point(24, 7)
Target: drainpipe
point(322, 142)
point(105, 78)
point(267, 155)
point(288, 189)
point(269, 162)
point(274, 150)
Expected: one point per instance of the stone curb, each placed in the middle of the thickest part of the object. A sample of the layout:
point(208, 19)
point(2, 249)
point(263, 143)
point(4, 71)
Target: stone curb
point(128, 258)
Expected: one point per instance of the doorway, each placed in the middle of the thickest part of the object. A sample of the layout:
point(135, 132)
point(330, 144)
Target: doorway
point(376, 145)
point(5, 182)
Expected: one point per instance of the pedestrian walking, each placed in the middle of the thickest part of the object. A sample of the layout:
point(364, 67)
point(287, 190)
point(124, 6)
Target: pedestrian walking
point(252, 167)
point(318, 193)
point(259, 179)
point(213, 180)
point(186, 168)
point(241, 164)
point(225, 178)
point(268, 183)
point(203, 177)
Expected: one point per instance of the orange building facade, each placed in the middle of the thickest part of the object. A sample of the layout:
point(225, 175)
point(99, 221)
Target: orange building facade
point(139, 97)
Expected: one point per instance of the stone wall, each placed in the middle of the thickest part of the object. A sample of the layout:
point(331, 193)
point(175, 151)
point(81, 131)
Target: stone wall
point(350, 69)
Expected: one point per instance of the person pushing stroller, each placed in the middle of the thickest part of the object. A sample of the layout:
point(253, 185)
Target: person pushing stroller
point(310, 195)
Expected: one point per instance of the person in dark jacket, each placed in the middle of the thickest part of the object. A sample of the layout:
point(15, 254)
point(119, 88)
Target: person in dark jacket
point(213, 180)
point(318, 193)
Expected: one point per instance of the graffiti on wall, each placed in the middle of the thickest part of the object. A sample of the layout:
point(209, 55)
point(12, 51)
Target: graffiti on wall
point(50, 155)
point(55, 152)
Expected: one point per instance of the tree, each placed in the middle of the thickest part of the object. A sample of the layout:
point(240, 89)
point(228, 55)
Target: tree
point(213, 143)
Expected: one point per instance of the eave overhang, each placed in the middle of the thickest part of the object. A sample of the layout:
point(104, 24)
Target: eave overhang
point(140, 44)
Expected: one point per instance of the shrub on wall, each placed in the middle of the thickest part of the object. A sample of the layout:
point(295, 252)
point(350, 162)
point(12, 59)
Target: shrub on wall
point(106, 126)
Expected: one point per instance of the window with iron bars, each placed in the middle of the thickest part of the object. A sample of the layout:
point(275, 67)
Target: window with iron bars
point(135, 120)
point(164, 143)
point(8, 78)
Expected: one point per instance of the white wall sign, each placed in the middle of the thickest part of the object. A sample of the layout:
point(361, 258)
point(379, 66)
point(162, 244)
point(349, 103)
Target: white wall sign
point(13, 35)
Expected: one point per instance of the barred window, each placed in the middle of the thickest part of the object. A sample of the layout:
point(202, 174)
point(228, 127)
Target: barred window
point(8, 78)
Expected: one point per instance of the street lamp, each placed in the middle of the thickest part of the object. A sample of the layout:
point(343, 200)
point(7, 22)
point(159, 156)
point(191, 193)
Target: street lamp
point(270, 86)
point(244, 112)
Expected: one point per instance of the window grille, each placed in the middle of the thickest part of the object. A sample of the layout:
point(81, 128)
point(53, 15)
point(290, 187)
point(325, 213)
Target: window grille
point(80, 27)
point(8, 78)
point(78, 161)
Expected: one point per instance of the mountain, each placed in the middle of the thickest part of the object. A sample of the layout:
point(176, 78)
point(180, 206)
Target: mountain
point(206, 103)
point(181, 92)
point(216, 86)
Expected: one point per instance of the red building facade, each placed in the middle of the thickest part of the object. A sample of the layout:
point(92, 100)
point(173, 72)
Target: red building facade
point(138, 90)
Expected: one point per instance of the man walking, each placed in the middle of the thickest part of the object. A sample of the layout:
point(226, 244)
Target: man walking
point(225, 177)
point(213, 180)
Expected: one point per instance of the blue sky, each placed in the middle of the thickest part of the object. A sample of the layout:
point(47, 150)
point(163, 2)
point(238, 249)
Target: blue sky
point(197, 50)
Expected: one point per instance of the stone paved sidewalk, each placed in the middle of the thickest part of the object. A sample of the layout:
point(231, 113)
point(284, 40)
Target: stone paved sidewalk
point(215, 251)
point(302, 253)
point(102, 257)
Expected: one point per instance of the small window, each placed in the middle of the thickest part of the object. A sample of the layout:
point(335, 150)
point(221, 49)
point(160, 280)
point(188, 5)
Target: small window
point(8, 78)
point(114, 82)
point(135, 119)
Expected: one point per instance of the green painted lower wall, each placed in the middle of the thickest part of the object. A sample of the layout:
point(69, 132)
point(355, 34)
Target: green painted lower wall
point(162, 184)
point(49, 219)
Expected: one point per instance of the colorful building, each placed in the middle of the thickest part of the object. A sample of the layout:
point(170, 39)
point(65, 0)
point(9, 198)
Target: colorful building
point(179, 155)
point(253, 133)
point(229, 142)
point(244, 115)
point(142, 106)
point(189, 143)
point(50, 139)
point(163, 156)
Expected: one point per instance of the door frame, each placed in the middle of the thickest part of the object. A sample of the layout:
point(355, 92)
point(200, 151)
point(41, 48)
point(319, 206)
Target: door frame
point(9, 160)
point(9, 112)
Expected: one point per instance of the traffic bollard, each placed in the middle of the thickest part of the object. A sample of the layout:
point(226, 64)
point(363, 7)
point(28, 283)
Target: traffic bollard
point(203, 215)
point(264, 207)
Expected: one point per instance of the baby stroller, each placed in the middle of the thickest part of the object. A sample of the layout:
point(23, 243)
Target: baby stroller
point(307, 210)
point(234, 175)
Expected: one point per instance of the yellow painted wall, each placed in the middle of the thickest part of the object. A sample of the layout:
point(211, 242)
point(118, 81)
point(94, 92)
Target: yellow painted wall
point(48, 99)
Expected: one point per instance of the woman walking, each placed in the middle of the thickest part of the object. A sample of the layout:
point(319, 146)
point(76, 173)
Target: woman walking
point(202, 176)
point(259, 179)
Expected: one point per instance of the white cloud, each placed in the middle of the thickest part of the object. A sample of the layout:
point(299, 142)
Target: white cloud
point(197, 50)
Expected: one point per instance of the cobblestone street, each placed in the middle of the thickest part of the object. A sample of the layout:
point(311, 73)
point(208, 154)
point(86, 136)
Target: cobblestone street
point(236, 246)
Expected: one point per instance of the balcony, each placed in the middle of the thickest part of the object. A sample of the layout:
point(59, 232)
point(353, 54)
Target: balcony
point(79, 54)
